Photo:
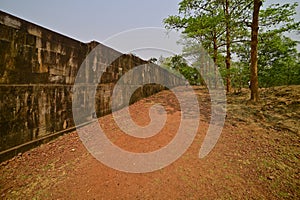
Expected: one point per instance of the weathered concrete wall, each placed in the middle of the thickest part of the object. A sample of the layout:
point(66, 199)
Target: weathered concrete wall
point(38, 68)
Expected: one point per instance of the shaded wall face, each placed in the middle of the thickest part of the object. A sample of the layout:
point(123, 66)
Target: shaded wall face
point(38, 68)
point(30, 112)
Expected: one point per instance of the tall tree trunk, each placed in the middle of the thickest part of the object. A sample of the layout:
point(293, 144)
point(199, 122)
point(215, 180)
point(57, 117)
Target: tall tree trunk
point(254, 47)
point(228, 52)
point(215, 59)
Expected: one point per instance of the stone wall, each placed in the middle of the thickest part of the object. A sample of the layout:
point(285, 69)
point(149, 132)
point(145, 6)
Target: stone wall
point(38, 68)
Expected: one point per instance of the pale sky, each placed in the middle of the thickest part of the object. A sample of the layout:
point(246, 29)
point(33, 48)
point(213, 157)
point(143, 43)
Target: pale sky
point(100, 20)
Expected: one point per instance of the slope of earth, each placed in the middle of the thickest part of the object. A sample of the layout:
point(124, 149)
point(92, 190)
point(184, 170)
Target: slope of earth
point(256, 157)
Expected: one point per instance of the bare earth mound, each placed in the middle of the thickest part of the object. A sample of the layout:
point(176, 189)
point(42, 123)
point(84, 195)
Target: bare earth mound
point(257, 156)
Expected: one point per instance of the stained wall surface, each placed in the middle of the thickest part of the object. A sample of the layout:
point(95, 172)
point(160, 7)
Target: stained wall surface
point(38, 68)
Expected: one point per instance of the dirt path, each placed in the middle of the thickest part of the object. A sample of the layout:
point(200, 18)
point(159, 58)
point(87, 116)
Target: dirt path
point(251, 160)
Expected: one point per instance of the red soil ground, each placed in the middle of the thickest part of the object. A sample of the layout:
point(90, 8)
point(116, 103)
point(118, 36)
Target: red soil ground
point(254, 158)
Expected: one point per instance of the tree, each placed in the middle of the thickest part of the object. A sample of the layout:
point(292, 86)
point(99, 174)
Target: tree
point(200, 20)
point(212, 24)
point(254, 49)
point(221, 27)
point(234, 13)
point(279, 18)
point(278, 61)
point(228, 43)
point(276, 19)
point(179, 65)
point(200, 60)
